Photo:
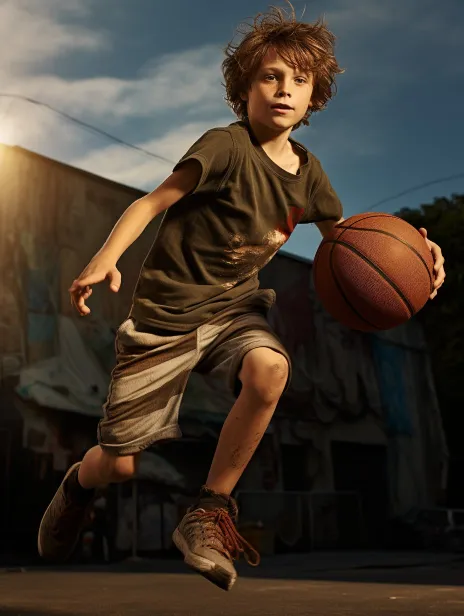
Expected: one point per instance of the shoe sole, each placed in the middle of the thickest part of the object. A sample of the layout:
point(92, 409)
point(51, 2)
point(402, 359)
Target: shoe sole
point(208, 569)
point(39, 545)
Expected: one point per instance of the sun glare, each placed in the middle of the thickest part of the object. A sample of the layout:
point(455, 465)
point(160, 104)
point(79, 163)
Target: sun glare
point(8, 133)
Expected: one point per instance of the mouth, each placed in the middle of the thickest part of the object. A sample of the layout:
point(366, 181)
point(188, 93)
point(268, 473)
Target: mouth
point(281, 107)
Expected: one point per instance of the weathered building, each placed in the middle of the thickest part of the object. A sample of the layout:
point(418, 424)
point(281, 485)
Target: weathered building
point(356, 441)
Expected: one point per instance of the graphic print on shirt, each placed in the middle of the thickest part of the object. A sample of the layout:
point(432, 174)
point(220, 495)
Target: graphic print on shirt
point(248, 259)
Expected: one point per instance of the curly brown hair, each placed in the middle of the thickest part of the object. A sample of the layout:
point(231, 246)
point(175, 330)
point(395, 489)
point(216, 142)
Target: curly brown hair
point(307, 46)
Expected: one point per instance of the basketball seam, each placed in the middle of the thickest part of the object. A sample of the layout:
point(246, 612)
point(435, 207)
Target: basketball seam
point(416, 252)
point(342, 292)
point(379, 271)
point(350, 226)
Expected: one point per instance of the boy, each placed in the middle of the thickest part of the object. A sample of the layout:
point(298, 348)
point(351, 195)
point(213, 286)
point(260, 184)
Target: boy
point(231, 202)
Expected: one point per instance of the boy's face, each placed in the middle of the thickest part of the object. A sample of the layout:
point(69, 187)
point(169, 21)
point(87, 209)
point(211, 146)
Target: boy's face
point(279, 95)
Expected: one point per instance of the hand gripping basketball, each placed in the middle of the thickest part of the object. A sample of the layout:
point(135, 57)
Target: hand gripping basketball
point(373, 272)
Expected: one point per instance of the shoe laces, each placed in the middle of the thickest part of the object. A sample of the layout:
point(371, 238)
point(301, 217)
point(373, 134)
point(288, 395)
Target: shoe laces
point(222, 528)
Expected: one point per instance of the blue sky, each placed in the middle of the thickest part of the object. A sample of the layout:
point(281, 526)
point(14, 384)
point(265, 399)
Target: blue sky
point(148, 72)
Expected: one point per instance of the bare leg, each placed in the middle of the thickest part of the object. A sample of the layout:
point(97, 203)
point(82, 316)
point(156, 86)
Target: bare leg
point(99, 468)
point(264, 375)
point(207, 537)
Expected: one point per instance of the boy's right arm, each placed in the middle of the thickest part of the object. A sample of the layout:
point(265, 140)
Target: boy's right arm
point(128, 228)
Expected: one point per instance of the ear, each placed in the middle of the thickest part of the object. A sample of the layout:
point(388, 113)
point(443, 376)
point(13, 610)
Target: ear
point(245, 94)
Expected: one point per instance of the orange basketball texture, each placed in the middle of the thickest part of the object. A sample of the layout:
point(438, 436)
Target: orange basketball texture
point(373, 272)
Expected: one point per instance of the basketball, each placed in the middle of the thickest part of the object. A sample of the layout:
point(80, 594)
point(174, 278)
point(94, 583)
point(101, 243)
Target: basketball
point(373, 272)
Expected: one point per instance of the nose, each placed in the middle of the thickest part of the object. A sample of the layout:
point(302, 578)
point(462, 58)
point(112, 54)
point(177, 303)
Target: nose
point(284, 92)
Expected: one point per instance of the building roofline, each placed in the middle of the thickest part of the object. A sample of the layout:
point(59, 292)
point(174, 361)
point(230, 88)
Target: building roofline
point(87, 174)
point(103, 180)
point(289, 255)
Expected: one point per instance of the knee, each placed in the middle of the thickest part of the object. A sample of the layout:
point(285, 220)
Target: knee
point(264, 374)
point(123, 468)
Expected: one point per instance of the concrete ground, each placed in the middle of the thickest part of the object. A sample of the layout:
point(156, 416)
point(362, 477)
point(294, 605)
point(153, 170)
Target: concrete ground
point(346, 584)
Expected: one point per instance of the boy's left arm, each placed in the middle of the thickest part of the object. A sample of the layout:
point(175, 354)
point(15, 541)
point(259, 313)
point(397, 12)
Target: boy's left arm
point(326, 227)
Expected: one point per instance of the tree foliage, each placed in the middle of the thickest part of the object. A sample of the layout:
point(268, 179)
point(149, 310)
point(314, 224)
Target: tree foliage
point(443, 317)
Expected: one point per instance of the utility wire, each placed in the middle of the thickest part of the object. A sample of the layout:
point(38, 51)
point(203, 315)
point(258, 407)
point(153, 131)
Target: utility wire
point(171, 162)
point(86, 125)
point(414, 188)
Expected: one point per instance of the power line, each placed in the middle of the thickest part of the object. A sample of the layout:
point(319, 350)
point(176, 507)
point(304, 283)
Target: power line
point(414, 188)
point(171, 162)
point(88, 126)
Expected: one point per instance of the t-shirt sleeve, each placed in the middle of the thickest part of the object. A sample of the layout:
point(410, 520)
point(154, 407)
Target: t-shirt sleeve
point(214, 152)
point(324, 203)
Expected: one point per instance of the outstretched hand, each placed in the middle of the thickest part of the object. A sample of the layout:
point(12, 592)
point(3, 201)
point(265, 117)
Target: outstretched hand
point(97, 270)
point(439, 261)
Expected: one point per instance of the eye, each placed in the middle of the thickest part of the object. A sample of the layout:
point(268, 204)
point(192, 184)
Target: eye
point(300, 80)
point(270, 77)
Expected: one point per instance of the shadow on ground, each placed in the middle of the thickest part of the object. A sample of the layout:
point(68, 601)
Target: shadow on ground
point(441, 573)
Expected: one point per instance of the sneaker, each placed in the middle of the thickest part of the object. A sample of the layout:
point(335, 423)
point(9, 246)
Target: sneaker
point(62, 522)
point(209, 540)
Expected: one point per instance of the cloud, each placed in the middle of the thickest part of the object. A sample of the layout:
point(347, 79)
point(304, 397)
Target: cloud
point(76, 8)
point(180, 89)
point(126, 166)
point(183, 89)
point(30, 35)
point(183, 80)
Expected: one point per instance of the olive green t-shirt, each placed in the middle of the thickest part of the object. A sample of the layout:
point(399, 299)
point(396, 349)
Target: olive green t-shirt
point(212, 243)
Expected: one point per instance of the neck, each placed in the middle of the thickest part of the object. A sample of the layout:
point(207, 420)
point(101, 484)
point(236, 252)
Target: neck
point(274, 143)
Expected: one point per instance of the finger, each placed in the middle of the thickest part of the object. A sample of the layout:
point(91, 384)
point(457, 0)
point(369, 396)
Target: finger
point(79, 302)
point(81, 283)
point(114, 277)
point(439, 265)
point(436, 250)
point(82, 311)
point(85, 291)
point(73, 297)
point(423, 232)
point(78, 298)
point(78, 283)
point(436, 287)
